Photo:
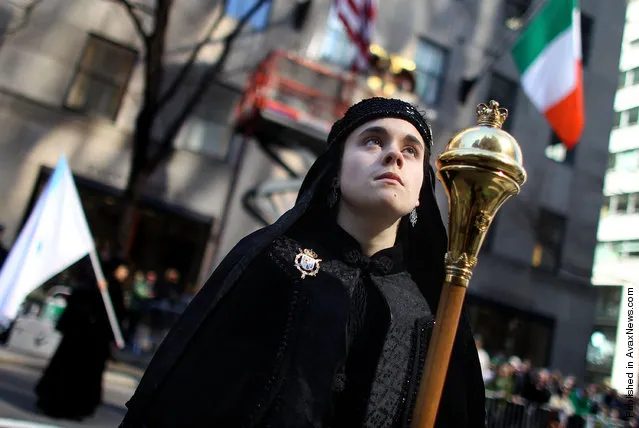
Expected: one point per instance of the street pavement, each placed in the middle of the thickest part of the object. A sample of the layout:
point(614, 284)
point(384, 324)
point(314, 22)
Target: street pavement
point(19, 375)
point(17, 401)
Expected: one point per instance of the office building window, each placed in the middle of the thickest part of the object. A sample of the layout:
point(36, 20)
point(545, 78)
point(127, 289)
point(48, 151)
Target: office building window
point(621, 204)
point(626, 118)
point(587, 24)
point(617, 250)
point(550, 233)
point(101, 77)
point(617, 120)
point(600, 353)
point(204, 136)
point(626, 203)
point(625, 161)
point(237, 9)
point(511, 331)
point(629, 77)
point(504, 91)
point(207, 131)
point(337, 48)
point(556, 151)
point(430, 62)
point(622, 79)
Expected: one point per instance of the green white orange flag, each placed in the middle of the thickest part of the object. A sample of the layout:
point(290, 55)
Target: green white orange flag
point(548, 54)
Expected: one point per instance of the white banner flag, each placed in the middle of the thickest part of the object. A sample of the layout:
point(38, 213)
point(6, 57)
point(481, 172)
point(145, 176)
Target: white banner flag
point(55, 236)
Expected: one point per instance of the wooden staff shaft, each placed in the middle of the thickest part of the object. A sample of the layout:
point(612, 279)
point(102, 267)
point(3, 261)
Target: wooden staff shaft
point(438, 355)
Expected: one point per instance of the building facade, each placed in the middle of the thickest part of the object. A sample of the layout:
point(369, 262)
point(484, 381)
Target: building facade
point(617, 257)
point(530, 295)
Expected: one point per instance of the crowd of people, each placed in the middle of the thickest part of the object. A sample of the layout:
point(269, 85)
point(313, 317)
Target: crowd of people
point(153, 302)
point(565, 401)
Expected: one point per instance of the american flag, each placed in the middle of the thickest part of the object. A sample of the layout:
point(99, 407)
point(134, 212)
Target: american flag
point(358, 17)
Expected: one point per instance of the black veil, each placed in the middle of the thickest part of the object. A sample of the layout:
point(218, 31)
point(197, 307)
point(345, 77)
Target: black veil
point(424, 248)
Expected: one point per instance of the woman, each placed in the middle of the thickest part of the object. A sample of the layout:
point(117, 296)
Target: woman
point(503, 385)
point(323, 318)
point(71, 386)
point(141, 295)
point(562, 404)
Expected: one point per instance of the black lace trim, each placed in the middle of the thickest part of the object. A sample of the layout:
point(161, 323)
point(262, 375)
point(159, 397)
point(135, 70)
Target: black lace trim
point(382, 265)
point(410, 390)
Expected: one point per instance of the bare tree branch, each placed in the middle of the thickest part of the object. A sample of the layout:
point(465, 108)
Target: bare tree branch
point(153, 78)
point(138, 6)
point(166, 145)
point(130, 8)
point(26, 14)
point(143, 8)
point(155, 54)
point(184, 71)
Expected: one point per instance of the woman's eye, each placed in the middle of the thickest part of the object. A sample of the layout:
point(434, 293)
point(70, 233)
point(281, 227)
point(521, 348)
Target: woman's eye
point(372, 142)
point(411, 151)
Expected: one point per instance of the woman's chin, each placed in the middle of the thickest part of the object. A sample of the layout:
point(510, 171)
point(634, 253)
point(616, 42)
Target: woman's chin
point(387, 208)
point(382, 203)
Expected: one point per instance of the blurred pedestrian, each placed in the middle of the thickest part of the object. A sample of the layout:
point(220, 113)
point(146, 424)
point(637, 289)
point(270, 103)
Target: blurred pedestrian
point(556, 382)
point(484, 360)
point(537, 388)
point(561, 402)
point(503, 385)
point(165, 296)
point(71, 385)
point(141, 295)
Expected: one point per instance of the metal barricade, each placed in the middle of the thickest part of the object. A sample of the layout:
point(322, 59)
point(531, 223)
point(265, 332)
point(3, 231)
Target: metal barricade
point(501, 413)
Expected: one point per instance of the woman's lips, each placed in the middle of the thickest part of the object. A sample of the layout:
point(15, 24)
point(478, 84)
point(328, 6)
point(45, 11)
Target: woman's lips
point(390, 176)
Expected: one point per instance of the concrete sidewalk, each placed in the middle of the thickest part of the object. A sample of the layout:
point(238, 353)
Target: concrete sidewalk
point(117, 372)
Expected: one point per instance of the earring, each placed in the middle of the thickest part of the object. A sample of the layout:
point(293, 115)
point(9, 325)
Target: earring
point(333, 195)
point(413, 217)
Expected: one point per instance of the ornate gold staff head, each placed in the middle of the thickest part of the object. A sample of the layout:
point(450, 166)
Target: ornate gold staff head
point(480, 169)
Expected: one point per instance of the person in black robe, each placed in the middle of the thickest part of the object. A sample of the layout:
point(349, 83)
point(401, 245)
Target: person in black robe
point(71, 385)
point(323, 319)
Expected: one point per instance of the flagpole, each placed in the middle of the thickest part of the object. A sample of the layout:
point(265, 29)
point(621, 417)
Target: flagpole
point(117, 334)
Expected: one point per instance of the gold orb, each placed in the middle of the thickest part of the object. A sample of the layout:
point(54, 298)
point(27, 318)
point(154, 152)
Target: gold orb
point(486, 145)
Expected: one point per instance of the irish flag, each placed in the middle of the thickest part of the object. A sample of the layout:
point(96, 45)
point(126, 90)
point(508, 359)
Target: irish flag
point(548, 54)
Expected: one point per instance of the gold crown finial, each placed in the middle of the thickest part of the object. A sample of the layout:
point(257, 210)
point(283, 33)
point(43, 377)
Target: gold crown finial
point(491, 114)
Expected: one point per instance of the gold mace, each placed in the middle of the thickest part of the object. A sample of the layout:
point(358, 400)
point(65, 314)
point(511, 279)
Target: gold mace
point(480, 169)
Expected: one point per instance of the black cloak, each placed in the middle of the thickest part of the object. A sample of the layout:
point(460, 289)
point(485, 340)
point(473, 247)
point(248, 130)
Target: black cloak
point(71, 385)
point(158, 402)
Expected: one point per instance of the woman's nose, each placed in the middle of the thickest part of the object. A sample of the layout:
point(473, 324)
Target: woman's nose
point(393, 156)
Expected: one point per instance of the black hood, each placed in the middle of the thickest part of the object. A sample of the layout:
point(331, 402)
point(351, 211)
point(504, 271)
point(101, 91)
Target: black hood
point(425, 244)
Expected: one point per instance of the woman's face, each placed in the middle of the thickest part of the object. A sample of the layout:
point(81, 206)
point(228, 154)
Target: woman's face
point(383, 167)
point(121, 273)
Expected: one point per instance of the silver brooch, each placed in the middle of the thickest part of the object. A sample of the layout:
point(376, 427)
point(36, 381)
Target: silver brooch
point(307, 263)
